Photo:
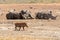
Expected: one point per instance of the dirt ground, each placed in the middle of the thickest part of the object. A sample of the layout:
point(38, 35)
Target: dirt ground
point(37, 30)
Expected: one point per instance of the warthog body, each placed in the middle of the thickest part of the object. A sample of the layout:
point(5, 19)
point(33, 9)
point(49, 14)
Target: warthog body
point(20, 25)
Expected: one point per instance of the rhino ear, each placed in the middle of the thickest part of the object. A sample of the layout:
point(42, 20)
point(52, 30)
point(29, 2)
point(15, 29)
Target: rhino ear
point(50, 11)
point(14, 10)
point(26, 10)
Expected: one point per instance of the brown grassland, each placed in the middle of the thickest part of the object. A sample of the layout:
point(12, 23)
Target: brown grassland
point(37, 30)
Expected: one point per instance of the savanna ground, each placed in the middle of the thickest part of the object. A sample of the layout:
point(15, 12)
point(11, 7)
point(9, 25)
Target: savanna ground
point(37, 30)
point(28, 1)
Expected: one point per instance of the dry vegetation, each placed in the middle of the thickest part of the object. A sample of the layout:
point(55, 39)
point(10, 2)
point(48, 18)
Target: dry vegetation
point(37, 30)
point(29, 1)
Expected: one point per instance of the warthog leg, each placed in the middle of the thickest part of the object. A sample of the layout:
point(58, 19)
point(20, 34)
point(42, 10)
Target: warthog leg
point(15, 28)
point(23, 28)
point(19, 28)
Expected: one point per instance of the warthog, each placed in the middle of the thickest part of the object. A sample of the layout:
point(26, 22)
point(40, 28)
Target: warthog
point(20, 25)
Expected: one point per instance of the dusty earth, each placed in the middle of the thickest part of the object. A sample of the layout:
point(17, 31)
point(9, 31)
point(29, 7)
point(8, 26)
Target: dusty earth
point(37, 30)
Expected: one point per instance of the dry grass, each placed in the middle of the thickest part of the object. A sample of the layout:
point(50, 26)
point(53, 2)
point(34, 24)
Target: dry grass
point(29, 1)
point(26, 38)
point(38, 29)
